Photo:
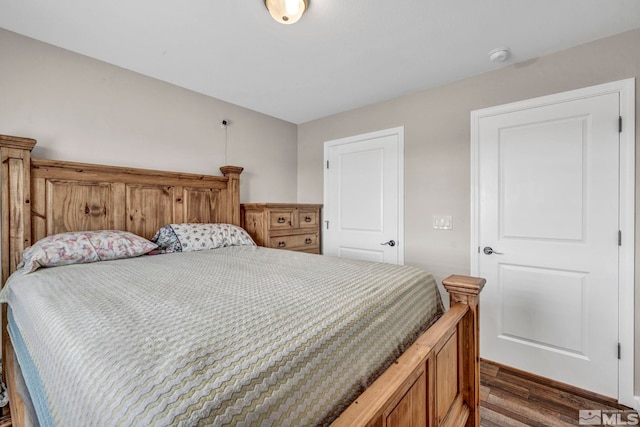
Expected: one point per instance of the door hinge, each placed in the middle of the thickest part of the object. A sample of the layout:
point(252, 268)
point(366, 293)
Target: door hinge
point(619, 352)
point(327, 223)
point(327, 164)
point(619, 238)
point(619, 124)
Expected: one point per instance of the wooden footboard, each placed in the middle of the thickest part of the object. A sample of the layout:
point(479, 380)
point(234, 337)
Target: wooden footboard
point(436, 382)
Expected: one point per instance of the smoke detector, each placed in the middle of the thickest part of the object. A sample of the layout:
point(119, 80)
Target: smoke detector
point(499, 55)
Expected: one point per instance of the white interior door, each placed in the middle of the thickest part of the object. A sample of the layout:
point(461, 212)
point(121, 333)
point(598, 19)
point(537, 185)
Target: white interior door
point(363, 206)
point(548, 186)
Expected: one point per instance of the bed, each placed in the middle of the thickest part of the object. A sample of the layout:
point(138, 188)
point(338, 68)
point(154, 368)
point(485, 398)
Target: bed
point(429, 380)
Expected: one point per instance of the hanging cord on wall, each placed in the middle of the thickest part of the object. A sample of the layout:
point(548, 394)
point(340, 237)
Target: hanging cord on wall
point(224, 125)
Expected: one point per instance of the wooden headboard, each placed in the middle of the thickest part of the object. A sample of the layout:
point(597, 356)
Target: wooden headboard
point(44, 197)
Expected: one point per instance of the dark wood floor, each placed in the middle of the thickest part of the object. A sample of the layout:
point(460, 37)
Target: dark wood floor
point(512, 398)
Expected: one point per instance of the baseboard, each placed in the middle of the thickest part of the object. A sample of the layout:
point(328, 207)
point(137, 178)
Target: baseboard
point(636, 406)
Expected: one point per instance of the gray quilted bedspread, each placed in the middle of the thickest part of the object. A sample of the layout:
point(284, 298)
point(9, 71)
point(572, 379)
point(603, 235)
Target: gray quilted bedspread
point(233, 336)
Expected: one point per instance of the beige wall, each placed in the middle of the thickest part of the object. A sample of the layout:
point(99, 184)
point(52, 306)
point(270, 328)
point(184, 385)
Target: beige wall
point(437, 147)
point(84, 110)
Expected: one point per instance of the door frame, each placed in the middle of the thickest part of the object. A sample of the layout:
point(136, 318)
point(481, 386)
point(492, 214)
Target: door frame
point(399, 132)
point(626, 267)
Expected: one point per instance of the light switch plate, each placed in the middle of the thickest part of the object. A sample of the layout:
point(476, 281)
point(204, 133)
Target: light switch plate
point(442, 222)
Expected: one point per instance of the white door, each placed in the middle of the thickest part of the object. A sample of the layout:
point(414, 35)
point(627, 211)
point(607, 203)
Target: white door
point(548, 185)
point(363, 203)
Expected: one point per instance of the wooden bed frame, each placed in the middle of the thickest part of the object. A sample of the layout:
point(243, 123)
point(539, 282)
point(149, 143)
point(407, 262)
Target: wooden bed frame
point(434, 383)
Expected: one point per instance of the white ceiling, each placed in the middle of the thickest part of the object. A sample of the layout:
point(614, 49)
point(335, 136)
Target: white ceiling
point(341, 55)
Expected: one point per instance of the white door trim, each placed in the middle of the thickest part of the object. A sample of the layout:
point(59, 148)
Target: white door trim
point(399, 131)
point(626, 266)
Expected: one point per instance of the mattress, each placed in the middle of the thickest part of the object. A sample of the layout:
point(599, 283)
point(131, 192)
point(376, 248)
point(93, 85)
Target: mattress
point(231, 336)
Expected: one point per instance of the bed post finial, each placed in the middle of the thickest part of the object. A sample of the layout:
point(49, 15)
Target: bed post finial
point(466, 290)
point(233, 173)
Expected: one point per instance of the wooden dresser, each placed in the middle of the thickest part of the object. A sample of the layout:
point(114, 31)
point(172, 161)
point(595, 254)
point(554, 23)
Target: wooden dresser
point(290, 226)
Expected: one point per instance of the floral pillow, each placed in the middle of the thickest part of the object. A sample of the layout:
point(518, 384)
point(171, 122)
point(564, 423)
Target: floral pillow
point(197, 237)
point(83, 247)
point(167, 240)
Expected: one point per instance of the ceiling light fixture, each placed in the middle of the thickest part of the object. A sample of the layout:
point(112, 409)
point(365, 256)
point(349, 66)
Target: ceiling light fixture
point(286, 11)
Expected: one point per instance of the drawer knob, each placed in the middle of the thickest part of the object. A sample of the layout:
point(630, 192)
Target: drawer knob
point(281, 244)
point(280, 220)
point(308, 240)
point(307, 219)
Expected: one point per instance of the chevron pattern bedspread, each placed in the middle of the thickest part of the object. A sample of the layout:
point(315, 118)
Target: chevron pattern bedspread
point(233, 336)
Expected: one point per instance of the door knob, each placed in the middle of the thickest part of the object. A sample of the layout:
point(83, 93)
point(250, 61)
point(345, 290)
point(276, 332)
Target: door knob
point(488, 251)
point(391, 243)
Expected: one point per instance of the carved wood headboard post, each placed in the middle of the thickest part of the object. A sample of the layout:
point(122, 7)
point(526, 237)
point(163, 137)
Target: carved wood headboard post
point(233, 173)
point(15, 153)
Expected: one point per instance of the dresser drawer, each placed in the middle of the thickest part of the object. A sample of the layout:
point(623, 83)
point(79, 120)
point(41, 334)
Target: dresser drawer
point(292, 226)
point(294, 242)
point(281, 219)
point(308, 219)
